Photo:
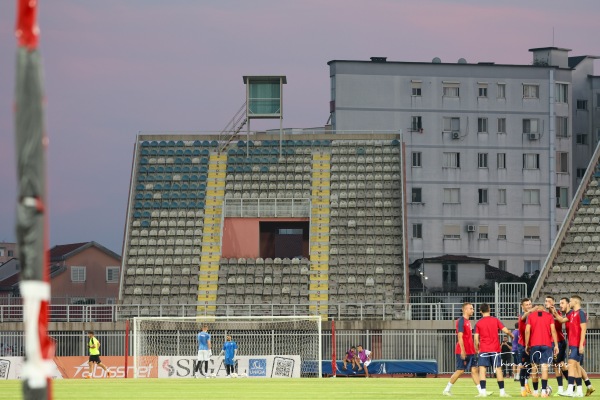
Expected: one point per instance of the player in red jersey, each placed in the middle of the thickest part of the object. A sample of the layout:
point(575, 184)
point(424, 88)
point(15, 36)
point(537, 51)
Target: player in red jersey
point(466, 359)
point(487, 346)
point(524, 368)
point(540, 339)
point(560, 365)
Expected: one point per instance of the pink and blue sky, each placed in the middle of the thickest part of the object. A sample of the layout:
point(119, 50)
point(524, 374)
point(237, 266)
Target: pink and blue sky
point(114, 68)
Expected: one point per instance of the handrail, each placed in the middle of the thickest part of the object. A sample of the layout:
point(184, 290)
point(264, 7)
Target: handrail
point(339, 311)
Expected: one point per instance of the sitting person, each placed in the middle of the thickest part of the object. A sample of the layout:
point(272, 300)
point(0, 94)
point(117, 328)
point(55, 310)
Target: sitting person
point(364, 358)
point(351, 358)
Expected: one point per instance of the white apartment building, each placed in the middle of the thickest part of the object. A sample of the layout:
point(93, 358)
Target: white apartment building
point(493, 152)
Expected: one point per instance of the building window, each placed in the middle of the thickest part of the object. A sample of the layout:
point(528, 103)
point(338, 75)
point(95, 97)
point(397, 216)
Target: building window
point(10, 253)
point(530, 125)
point(451, 90)
point(581, 138)
point(482, 160)
point(482, 196)
point(417, 231)
point(450, 277)
point(451, 160)
point(482, 90)
point(416, 195)
point(501, 160)
point(531, 266)
point(452, 232)
point(483, 232)
point(531, 161)
point(562, 127)
point(531, 196)
point(416, 159)
point(78, 274)
point(502, 265)
point(562, 93)
point(501, 125)
point(416, 88)
point(501, 91)
point(2, 252)
point(501, 232)
point(580, 172)
point(451, 124)
point(501, 196)
point(582, 104)
point(482, 125)
point(562, 197)
point(112, 274)
point(532, 232)
point(451, 195)
point(562, 162)
point(416, 123)
point(531, 91)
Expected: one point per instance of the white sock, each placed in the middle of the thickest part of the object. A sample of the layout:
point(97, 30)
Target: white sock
point(570, 388)
point(502, 391)
point(483, 392)
point(448, 387)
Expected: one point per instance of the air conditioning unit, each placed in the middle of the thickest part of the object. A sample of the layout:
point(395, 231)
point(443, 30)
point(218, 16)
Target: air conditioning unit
point(533, 136)
point(470, 228)
point(455, 135)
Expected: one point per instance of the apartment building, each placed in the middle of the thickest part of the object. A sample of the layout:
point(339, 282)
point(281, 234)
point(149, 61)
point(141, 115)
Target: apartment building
point(493, 152)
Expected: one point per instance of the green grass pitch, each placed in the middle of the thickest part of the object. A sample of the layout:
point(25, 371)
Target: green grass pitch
point(260, 389)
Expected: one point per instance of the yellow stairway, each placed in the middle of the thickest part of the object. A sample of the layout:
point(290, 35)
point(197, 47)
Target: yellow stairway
point(211, 235)
point(319, 234)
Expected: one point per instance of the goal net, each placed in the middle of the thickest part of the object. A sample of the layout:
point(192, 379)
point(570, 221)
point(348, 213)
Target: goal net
point(268, 347)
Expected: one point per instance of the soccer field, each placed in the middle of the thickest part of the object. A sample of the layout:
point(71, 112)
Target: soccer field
point(311, 389)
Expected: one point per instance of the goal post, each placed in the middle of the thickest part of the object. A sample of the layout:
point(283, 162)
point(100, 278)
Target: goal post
point(268, 346)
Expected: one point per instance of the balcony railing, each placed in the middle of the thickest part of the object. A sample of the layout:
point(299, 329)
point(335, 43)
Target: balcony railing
point(267, 208)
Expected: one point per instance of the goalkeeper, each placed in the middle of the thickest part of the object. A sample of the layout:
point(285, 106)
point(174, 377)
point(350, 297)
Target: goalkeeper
point(204, 352)
point(230, 350)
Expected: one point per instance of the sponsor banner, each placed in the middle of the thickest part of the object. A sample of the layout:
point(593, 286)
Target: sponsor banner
point(12, 367)
point(281, 366)
point(77, 367)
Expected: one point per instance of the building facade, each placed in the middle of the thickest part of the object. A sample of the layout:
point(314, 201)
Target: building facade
point(492, 152)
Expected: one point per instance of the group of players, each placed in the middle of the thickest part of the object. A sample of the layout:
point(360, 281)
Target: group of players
point(205, 352)
point(541, 342)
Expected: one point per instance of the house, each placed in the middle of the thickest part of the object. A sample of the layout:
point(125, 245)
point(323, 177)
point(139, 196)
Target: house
point(79, 272)
point(8, 250)
point(84, 273)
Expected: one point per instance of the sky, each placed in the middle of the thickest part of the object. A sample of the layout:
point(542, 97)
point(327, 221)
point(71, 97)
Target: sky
point(115, 68)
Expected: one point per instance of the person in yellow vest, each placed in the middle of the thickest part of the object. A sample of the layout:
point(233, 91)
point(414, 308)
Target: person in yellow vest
point(94, 348)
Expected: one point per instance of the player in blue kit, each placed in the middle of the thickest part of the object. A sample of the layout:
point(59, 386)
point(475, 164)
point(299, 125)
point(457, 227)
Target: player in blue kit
point(204, 352)
point(230, 350)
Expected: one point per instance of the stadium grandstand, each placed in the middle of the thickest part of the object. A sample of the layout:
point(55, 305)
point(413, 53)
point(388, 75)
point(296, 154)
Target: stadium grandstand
point(309, 225)
point(573, 264)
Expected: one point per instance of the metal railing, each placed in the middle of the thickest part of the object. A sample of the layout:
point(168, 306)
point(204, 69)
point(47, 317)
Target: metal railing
point(354, 311)
point(299, 208)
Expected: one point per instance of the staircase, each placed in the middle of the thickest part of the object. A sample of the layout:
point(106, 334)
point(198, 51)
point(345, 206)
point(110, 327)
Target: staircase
point(319, 235)
point(211, 235)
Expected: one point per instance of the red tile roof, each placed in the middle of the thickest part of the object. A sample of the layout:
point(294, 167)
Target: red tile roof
point(58, 252)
